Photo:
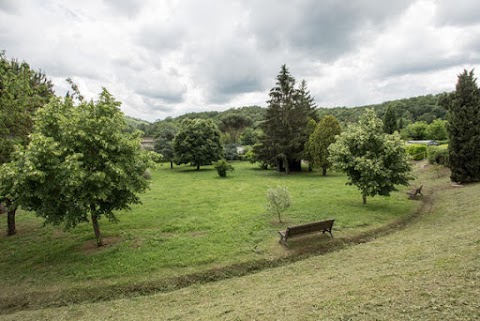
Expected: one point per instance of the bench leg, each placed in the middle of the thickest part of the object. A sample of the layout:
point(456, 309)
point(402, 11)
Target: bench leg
point(283, 241)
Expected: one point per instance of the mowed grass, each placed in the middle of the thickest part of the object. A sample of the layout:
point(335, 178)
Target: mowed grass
point(190, 222)
point(430, 270)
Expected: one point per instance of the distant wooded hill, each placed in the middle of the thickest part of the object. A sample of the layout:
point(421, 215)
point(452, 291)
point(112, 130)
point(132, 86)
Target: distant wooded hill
point(421, 108)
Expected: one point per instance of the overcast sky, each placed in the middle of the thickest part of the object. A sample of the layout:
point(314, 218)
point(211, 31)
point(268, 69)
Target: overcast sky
point(165, 57)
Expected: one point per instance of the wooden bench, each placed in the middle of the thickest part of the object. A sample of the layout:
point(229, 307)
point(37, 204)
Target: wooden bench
point(323, 226)
point(411, 194)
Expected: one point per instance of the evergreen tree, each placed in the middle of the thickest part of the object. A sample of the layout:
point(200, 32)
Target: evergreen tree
point(390, 121)
point(320, 140)
point(463, 115)
point(285, 126)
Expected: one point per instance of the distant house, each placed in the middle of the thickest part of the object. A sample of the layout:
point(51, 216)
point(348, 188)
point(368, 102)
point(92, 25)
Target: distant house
point(148, 143)
point(423, 142)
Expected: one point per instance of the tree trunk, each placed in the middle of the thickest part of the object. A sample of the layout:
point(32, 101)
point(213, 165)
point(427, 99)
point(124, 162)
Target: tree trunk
point(11, 229)
point(96, 229)
point(198, 167)
point(324, 171)
point(364, 197)
point(310, 167)
point(171, 165)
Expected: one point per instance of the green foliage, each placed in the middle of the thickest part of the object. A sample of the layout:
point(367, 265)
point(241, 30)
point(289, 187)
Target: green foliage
point(416, 151)
point(417, 130)
point(278, 200)
point(285, 129)
point(166, 132)
point(437, 130)
point(197, 143)
point(324, 135)
point(222, 167)
point(438, 155)
point(79, 163)
point(374, 161)
point(22, 92)
point(464, 129)
point(390, 121)
point(233, 125)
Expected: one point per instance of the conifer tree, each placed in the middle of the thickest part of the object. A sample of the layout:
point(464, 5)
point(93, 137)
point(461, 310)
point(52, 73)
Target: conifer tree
point(463, 107)
point(285, 127)
point(390, 121)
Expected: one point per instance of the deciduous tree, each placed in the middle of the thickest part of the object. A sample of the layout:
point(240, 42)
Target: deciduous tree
point(80, 164)
point(374, 161)
point(22, 92)
point(197, 143)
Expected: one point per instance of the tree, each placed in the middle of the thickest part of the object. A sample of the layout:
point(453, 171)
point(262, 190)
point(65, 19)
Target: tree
point(197, 143)
point(278, 200)
point(285, 124)
point(417, 130)
point(373, 161)
point(233, 125)
point(437, 130)
point(22, 92)
point(80, 163)
point(165, 134)
point(390, 120)
point(321, 139)
point(463, 115)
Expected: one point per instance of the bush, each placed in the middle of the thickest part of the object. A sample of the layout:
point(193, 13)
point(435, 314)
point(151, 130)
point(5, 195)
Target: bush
point(278, 200)
point(222, 167)
point(438, 155)
point(416, 151)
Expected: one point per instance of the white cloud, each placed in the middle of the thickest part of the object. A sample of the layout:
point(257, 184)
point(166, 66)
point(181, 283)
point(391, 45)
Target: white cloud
point(165, 58)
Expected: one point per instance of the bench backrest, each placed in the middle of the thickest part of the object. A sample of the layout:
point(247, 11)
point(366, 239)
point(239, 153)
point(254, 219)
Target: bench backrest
point(310, 227)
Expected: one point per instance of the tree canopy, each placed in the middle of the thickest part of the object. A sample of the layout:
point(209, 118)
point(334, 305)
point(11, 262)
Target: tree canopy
point(197, 143)
point(22, 92)
point(373, 161)
point(80, 163)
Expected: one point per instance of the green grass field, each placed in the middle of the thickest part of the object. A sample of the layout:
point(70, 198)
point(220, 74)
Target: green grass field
point(190, 224)
point(429, 270)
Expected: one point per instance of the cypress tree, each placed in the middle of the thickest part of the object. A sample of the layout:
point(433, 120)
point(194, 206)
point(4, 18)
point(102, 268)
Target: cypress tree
point(463, 107)
point(390, 121)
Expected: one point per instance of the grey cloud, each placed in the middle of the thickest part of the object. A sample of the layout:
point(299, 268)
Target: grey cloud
point(127, 8)
point(326, 29)
point(458, 13)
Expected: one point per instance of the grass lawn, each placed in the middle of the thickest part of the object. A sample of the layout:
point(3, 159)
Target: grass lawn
point(190, 222)
point(427, 271)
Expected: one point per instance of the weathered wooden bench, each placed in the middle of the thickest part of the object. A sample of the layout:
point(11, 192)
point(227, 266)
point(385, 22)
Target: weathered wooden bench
point(414, 192)
point(323, 226)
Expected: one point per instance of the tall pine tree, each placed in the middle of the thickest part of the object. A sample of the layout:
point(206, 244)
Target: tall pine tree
point(285, 125)
point(463, 128)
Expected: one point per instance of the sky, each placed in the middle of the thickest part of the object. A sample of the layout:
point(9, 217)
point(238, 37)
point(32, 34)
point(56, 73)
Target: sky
point(164, 58)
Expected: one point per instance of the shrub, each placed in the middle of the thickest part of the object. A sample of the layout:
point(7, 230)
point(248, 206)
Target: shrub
point(222, 167)
point(278, 200)
point(438, 155)
point(416, 151)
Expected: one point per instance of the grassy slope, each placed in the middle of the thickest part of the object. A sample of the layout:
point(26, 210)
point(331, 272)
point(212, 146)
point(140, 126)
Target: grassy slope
point(427, 271)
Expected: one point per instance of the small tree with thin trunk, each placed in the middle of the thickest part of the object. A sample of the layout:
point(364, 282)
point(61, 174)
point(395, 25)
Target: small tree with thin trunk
point(374, 161)
point(80, 164)
point(278, 200)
